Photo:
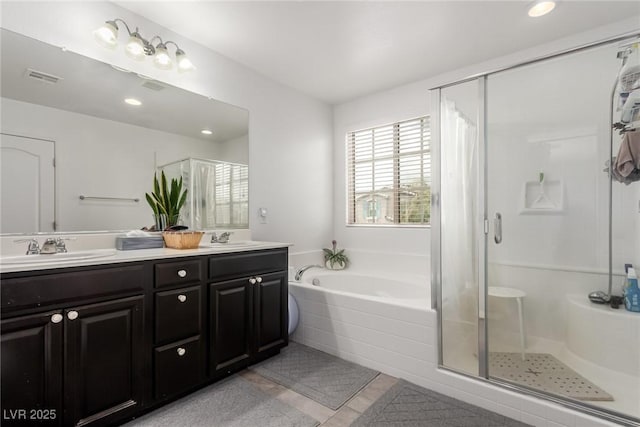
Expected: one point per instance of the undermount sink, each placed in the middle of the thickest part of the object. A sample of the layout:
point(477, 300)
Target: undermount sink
point(60, 257)
point(235, 244)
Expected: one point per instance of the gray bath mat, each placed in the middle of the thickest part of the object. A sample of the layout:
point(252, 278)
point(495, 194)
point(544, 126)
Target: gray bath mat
point(408, 405)
point(544, 372)
point(233, 402)
point(319, 376)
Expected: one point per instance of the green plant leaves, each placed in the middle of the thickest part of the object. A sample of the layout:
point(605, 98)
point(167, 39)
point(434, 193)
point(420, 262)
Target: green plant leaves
point(167, 198)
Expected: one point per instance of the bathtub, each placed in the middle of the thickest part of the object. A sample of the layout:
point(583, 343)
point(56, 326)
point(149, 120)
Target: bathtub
point(380, 320)
point(410, 291)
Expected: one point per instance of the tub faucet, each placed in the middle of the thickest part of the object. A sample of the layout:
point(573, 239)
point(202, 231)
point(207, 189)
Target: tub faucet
point(301, 271)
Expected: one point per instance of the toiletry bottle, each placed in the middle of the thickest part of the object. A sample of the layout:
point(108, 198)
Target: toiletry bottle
point(632, 293)
point(624, 283)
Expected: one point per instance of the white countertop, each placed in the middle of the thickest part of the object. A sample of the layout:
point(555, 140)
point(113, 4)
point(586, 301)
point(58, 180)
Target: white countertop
point(115, 256)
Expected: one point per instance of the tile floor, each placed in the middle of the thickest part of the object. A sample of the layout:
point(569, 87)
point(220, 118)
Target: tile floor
point(344, 416)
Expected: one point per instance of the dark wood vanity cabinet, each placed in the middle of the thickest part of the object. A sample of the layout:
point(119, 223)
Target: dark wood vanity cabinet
point(248, 314)
point(104, 357)
point(179, 348)
point(74, 364)
point(103, 344)
point(32, 369)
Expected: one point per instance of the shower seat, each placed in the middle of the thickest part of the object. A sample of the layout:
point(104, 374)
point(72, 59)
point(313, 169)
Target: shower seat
point(518, 295)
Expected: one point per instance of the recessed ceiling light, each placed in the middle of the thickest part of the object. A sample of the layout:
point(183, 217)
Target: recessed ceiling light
point(541, 7)
point(206, 132)
point(132, 101)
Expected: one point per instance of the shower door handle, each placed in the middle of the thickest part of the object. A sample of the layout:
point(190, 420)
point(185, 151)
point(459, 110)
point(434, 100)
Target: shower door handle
point(497, 228)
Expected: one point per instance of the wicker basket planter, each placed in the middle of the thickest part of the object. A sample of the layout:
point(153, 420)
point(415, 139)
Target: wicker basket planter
point(182, 239)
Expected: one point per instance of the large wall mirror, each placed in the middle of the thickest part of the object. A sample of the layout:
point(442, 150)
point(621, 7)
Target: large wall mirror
point(76, 157)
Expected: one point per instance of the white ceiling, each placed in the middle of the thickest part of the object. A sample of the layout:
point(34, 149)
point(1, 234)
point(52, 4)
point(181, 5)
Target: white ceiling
point(340, 50)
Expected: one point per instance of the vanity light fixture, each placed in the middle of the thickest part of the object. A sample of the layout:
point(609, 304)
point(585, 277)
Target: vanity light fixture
point(138, 47)
point(541, 7)
point(206, 132)
point(133, 101)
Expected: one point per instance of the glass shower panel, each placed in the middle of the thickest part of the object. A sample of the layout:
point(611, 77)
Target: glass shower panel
point(548, 146)
point(218, 193)
point(459, 178)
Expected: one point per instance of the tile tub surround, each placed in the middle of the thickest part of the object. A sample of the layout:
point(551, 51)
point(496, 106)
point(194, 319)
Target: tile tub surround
point(403, 342)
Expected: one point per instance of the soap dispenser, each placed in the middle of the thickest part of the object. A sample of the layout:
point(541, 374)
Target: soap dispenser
point(632, 292)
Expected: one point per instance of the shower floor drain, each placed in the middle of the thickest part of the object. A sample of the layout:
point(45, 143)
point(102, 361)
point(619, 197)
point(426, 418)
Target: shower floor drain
point(544, 372)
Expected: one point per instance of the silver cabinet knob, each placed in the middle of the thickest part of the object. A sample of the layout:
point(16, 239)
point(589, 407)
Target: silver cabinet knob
point(57, 318)
point(259, 279)
point(252, 280)
point(72, 315)
point(182, 298)
point(181, 351)
point(182, 273)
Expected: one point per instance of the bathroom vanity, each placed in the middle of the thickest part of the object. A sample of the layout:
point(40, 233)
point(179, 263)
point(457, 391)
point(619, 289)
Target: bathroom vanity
point(105, 342)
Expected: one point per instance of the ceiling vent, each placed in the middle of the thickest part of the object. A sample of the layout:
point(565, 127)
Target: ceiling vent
point(42, 77)
point(150, 84)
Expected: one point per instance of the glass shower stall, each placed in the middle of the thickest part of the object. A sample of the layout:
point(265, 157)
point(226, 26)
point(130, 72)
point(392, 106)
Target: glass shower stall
point(217, 192)
point(529, 220)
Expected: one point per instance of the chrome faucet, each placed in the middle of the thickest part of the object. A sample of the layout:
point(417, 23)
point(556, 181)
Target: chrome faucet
point(301, 271)
point(54, 246)
point(224, 237)
point(33, 248)
point(50, 246)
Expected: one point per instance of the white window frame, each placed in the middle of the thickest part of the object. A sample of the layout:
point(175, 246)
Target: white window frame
point(352, 198)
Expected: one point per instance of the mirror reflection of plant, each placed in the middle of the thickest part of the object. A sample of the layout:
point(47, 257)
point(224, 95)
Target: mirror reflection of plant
point(167, 200)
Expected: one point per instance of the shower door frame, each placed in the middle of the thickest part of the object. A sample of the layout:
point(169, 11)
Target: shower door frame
point(482, 223)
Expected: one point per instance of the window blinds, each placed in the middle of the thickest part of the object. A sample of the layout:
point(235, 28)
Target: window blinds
point(389, 173)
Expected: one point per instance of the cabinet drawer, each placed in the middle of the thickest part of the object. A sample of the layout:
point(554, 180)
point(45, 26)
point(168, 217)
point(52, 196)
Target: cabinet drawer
point(77, 285)
point(246, 264)
point(178, 366)
point(175, 273)
point(178, 314)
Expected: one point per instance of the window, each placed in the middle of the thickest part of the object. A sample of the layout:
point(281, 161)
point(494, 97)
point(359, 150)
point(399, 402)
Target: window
point(231, 195)
point(389, 174)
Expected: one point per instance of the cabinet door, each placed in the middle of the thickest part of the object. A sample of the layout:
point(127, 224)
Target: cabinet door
point(178, 314)
point(32, 370)
point(103, 361)
point(178, 367)
point(271, 312)
point(231, 312)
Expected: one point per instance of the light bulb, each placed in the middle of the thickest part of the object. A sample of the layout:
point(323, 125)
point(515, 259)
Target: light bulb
point(206, 132)
point(184, 63)
point(135, 47)
point(107, 35)
point(162, 59)
point(133, 101)
point(541, 7)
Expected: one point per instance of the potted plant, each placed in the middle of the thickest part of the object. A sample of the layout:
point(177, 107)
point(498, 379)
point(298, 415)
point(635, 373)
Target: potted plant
point(335, 259)
point(166, 201)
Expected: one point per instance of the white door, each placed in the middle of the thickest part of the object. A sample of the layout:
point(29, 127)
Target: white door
point(27, 182)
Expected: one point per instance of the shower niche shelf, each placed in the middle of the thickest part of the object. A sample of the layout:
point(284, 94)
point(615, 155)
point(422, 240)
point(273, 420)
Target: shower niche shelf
point(542, 198)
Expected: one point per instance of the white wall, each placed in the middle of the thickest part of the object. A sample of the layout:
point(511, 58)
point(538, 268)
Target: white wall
point(235, 150)
point(290, 133)
point(413, 100)
point(113, 159)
